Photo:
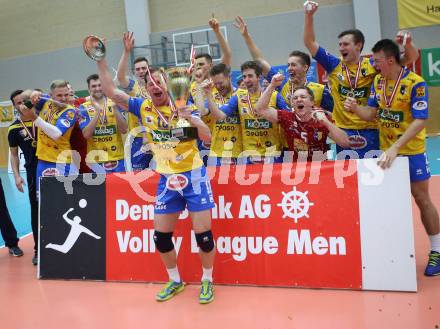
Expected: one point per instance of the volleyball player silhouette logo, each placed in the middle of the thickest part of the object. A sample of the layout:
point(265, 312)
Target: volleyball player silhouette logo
point(75, 231)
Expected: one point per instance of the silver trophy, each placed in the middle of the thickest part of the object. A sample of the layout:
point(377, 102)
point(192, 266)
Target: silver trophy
point(94, 47)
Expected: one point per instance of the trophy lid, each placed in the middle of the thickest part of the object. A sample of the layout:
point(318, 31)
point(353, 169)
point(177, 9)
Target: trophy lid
point(94, 47)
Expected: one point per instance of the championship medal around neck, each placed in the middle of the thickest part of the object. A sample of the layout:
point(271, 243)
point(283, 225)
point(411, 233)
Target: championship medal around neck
point(31, 135)
point(353, 84)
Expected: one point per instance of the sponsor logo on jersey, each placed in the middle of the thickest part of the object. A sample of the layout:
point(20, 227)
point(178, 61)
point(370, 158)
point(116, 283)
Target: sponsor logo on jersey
point(161, 135)
point(403, 89)
point(358, 92)
point(70, 114)
point(420, 105)
point(420, 92)
point(257, 124)
point(110, 165)
point(65, 123)
point(177, 182)
point(390, 115)
point(105, 130)
point(357, 142)
point(49, 172)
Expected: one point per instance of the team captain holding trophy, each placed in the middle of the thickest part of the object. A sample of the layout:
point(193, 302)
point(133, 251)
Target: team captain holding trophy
point(172, 129)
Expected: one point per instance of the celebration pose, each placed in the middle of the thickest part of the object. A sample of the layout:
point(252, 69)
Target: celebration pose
point(298, 63)
point(306, 129)
point(262, 141)
point(183, 181)
point(399, 98)
point(102, 125)
point(55, 122)
point(350, 76)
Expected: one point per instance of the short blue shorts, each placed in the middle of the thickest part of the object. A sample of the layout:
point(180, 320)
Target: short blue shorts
point(191, 189)
point(139, 159)
point(361, 142)
point(48, 169)
point(418, 167)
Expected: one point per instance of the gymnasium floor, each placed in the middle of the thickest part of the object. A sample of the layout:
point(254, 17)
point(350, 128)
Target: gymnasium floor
point(26, 302)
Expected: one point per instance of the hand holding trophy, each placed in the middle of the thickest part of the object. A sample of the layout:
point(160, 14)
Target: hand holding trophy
point(178, 85)
point(94, 47)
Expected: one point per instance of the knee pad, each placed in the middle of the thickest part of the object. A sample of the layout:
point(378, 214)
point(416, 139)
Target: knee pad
point(205, 241)
point(163, 241)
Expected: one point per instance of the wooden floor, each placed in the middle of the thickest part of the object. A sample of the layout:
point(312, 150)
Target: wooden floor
point(26, 302)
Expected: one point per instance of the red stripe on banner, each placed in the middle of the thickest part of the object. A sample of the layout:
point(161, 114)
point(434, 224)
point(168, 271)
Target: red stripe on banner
point(270, 232)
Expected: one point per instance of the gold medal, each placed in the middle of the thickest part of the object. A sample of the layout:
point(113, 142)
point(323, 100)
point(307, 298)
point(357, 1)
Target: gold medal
point(34, 143)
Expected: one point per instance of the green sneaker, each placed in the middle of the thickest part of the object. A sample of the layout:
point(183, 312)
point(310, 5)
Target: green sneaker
point(206, 292)
point(171, 288)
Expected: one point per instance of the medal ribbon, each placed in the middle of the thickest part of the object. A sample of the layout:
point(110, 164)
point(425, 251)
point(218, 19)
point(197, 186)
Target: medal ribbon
point(162, 117)
point(32, 136)
point(292, 89)
point(388, 101)
point(192, 58)
point(251, 108)
point(358, 71)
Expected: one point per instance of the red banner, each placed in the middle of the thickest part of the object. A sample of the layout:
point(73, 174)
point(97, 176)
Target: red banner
point(270, 228)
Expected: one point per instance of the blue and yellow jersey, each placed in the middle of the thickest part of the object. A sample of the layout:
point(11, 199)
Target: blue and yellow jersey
point(134, 89)
point(106, 136)
point(410, 102)
point(258, 134)
point(340, 87)
point(321, 93)
point(64, 119)
point(171, 156)
point(226, 133)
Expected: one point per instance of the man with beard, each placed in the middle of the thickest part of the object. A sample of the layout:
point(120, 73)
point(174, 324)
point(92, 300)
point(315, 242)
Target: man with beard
point(102, 126)
point(226, 144)
point(23, 134)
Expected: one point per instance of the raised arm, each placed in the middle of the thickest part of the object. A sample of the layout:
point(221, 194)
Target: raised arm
point(410, 55)
point(122, 76)
point(262, 106)
point(256, 53)
point(120, 121)
point(213, 108)
point(224, 46)
point(109, 87)
point(309, 31)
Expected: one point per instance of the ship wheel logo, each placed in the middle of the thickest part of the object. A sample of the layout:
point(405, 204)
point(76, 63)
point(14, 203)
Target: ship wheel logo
point(295, 204)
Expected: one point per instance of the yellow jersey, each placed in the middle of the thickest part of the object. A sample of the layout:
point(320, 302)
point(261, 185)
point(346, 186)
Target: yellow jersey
point(226, 133)
point(134, 89)
point(340, 87)
point(258, 135)
point(410, 102)
point(106, 135)
point(171, 156)
point(64, 119)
